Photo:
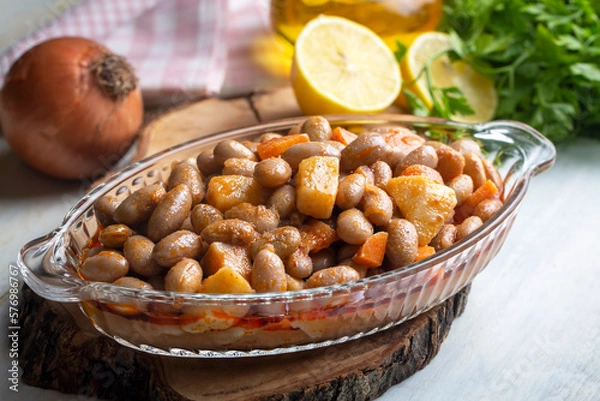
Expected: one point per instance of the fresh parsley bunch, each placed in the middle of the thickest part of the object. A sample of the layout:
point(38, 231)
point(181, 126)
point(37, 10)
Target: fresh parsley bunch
point(543, 55)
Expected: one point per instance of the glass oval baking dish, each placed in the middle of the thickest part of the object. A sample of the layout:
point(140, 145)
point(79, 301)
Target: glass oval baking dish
point(229, 325)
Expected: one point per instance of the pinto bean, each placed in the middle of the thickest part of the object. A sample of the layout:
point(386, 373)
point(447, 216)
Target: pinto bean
point(115, 235)
point(331, 276)
point(366, 149)
point(104, 209)
point(106, 266)
point(170, 213)
point(185, 276)
point(203, 215)
point(187, 174)
point(263, 218)
point(350, 191)
point(231, 231)
point(377, 206)
point(272, 172)
point(300, 151)
point(138, 251)
point(268, 272)
point(353, 227)
point(176, 246)
point(138, 207)
point(403, 242)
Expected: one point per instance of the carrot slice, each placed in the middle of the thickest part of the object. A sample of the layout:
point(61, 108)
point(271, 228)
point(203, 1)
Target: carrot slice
point(342, 136)
point(424, 252)
point(487, 190)
point(276, 146)
point(403, 138)
point(371, 253)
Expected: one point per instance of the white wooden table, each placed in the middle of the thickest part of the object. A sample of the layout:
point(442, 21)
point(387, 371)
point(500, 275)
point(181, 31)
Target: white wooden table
point(531, 328)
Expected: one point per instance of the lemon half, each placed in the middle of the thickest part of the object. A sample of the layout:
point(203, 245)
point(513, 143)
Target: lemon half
point(478, 89)
point(340, 66)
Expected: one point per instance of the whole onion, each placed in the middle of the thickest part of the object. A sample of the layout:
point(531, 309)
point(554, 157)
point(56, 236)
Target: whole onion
point(70, 108)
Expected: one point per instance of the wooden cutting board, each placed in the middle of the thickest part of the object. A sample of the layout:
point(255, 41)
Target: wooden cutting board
point(62, 351)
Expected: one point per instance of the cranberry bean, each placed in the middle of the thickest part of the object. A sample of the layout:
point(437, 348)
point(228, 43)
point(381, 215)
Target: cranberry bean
point(444, 238)
point(115, 235)
point(132, 282)
point(261, 217)
point(382, 173)
point(300, 151)
point(463, 187)
point(189, 175)
point(465, 146)
point(268, 136)
point(469, 225)
point(138, 207)
point(294, 284)
point(106, 266)
point(283, 201)
point(104, 209)
point(138, 251)
point(170, 213)
point(231, 231)
point(231, 148)
point(207, 163)
point(475, 169)
point(350, 191)
point(377, 206)
point(450, 163)
point(366, 149)
point(299, 264)
point(203, 215)
point(317, 128)
point(238, 166)
point(268, 272)
point(185, 276)
point(487, 208)
point(403, 242)
point(331, 276)
point(323, 259)
point(346, 251)
point(176, 246)
point(284, 240)
point(273, 172)
point(353, 227)
point(425, 155)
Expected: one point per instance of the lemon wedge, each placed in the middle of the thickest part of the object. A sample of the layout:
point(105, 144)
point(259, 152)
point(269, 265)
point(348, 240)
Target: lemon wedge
point(478, 89)
point(340, 66)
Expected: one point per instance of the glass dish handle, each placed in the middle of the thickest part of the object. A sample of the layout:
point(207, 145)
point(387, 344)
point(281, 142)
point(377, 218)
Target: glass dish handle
point(42, 273)
point(538, 152)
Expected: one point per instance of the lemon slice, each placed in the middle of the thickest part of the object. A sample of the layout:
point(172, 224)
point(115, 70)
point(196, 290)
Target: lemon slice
point(478, 90)
point(340, 66)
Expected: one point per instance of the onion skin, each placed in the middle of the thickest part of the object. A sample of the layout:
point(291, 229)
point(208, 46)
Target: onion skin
point(56, 116)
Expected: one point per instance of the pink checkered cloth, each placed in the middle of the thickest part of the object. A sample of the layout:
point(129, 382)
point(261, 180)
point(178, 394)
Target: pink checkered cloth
point(179, 48)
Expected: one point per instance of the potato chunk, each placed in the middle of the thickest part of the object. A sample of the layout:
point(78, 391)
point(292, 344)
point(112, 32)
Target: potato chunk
point(220, 255)
point(316, 185)
point(226, 281)
point(227, 191)
point(424, 202)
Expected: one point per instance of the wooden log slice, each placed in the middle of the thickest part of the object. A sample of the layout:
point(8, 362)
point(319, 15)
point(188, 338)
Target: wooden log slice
point(62, 351)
